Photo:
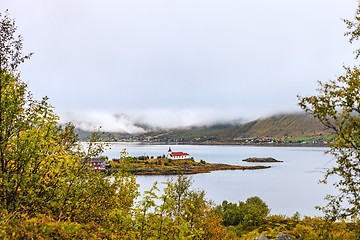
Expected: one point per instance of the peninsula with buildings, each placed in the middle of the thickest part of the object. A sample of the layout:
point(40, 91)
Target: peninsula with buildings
point(171, 164)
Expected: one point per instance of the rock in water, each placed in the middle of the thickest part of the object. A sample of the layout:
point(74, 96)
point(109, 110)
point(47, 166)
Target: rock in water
point(256, 159)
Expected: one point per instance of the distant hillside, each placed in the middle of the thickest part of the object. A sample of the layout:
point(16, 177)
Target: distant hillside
point(290, 127)
point(283, 126)
point(286, 126)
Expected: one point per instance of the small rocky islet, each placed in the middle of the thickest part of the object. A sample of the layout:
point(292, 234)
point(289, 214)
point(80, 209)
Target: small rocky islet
point(261, 160)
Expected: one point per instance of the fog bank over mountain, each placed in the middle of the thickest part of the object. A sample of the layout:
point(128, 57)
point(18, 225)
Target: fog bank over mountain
point(152, 120)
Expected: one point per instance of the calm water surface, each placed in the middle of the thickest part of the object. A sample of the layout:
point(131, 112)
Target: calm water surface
point(286, 187)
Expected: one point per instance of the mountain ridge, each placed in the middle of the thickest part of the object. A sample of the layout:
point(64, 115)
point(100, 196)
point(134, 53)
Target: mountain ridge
point(280, 127)
point(295, 126)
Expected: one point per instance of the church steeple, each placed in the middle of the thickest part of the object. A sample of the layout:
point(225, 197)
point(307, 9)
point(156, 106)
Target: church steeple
point(169, 150)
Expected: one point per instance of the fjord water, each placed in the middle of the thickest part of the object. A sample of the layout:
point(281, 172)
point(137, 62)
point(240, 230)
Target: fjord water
point(286, 187)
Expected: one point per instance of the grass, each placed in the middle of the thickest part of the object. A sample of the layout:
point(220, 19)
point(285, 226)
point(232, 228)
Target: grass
point(311, 138)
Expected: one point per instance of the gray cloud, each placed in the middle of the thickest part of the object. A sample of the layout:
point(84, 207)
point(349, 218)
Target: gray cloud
point(153, 119)
point(108, 122)
point(174, 63)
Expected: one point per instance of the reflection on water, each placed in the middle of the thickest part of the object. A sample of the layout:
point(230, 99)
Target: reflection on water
point(287, 187)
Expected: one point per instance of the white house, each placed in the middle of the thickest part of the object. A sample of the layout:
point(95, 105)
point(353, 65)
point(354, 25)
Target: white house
point(177, 155)
point(98, 163)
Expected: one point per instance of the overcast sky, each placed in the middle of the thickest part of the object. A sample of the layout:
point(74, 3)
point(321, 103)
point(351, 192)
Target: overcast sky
point(179, 62)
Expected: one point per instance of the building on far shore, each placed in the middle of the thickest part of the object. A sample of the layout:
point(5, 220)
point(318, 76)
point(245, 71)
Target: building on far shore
point(177, 155)
point(98, 163)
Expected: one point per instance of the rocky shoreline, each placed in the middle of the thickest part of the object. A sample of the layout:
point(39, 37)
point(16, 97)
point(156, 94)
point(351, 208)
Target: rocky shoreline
point(190, 169)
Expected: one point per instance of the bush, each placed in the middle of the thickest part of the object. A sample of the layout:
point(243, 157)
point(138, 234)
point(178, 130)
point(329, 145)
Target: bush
point(143, 157)
point(249, 213)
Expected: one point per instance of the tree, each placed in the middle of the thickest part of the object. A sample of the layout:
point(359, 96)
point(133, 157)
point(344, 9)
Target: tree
point(183, 213)
point(48, 189)
point(337, 106)
point(252, 212)
point(43, 169)
point(45, 178)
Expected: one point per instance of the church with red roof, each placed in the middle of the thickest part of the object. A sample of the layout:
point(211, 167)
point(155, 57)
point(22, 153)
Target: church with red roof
point(177, 155)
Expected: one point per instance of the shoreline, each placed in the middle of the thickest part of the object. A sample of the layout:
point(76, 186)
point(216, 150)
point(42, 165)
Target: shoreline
point(225, 144)
point(190, 169)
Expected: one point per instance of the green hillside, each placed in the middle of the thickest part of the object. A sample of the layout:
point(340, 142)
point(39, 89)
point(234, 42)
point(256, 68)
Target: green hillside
point(286, 127)
point(292, 127)
point(283, 126)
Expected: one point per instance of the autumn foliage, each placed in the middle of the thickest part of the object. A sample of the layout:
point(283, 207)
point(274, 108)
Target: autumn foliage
point(49, 191)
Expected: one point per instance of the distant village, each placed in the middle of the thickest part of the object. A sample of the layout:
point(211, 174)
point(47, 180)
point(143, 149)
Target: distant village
point(214, 140)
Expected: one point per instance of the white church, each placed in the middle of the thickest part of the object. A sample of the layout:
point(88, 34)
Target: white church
point(177, 155)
